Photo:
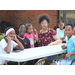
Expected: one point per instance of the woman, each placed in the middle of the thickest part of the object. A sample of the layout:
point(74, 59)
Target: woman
point(47, 36)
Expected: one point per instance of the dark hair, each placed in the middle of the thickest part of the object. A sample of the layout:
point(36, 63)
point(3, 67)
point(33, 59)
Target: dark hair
point(44, 17)
point(27, 26)
point(21, 24)
point(7, 29)
point(69, 25)
point(60, 21)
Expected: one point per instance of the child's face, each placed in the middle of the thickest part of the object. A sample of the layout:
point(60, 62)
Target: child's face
point(30, 29)
point(68, 31)
point(22, 30)
point(61, 26)
point(12, 35)
point(44, 24)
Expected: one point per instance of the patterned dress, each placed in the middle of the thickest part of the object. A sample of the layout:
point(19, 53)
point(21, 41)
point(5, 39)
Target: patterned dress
point(46, 38)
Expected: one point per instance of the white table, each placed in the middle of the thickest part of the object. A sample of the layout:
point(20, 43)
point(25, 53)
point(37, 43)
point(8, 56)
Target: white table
point(32, 53)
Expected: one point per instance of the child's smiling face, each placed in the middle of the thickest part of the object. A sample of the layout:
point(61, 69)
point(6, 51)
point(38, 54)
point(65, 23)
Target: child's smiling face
point(22, 30)
point(68, 31)
point(12, 35)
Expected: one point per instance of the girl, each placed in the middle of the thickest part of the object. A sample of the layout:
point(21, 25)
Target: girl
point(30, 35)
point(60, 30)
point(7, 43)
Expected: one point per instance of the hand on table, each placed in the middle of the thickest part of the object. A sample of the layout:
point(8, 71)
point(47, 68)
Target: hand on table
point(51, 44)
point(63, 47)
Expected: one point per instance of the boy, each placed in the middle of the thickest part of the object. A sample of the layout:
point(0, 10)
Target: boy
point(70, 47)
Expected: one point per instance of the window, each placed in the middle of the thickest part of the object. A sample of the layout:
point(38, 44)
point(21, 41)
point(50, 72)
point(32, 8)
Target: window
point(67, 15)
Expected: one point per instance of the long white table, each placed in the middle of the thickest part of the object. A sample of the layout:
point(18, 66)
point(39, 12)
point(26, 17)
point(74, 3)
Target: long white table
point(32, 53)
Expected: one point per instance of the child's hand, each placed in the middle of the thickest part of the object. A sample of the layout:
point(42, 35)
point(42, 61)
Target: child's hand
point(63, 47)
point(35, 30)
point(8, 37)
point(67, 56)
point(15, 38)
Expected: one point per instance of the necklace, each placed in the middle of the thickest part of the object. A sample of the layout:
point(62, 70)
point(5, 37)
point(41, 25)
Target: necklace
point(45, 31)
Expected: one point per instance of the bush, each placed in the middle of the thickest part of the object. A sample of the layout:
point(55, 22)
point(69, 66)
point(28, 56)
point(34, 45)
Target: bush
point(2, 35)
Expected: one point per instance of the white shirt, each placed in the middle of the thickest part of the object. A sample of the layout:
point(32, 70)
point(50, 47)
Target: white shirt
point(3, 44)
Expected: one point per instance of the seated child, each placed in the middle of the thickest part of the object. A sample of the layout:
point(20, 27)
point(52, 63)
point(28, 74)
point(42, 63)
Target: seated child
point(24, 40)
point(7, 43)
point(60, 31)
point(70, 47)
point(30, 35)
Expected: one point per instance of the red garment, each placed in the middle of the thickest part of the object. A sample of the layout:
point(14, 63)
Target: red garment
point(74, 32)
point(46, 38)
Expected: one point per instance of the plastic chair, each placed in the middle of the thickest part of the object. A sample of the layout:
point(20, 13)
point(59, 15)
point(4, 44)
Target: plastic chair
point(41, 61)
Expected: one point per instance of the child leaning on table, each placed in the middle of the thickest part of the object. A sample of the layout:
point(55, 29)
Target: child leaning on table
point(7, 43)
point(70, 47)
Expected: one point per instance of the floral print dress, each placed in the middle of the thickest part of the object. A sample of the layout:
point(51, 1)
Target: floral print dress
point(46, 38)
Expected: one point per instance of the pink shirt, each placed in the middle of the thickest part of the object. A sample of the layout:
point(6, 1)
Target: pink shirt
point(31, 37)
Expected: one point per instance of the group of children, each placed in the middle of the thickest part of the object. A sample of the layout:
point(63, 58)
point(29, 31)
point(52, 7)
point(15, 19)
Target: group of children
point(70, 45)
point(66, 35)
point(25, 39)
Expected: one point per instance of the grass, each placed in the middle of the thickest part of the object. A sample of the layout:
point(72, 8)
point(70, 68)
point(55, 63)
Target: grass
point(2, 35)
point(61, 56)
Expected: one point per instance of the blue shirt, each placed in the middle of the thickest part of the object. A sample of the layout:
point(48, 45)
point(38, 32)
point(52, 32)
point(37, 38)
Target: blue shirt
point(60, 33)
point(71, 47)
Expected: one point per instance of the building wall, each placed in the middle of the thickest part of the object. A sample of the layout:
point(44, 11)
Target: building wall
point(15, 17)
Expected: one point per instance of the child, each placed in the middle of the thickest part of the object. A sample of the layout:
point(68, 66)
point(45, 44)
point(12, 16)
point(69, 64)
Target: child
point(24, 40)
point(7, 43)
point(60, 30)
point(30, 35)
point(70, 47)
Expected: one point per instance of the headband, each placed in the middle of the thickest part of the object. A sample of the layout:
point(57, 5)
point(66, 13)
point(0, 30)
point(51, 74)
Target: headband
point(9, 30)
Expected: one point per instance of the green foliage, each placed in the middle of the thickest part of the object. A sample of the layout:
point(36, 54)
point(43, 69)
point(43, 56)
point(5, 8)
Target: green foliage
point(2, 35)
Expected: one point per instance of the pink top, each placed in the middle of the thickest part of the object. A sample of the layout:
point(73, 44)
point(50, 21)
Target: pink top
point(31, 37)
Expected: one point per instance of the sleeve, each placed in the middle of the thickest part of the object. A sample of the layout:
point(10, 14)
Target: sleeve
point(3, 43)
point(33, 36)
point(14, 44)
point(53, 32)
